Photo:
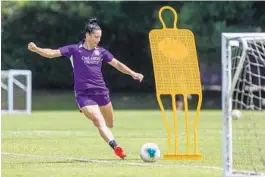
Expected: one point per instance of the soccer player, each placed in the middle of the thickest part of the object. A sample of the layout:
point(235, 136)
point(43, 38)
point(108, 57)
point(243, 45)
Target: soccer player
point(91, 93)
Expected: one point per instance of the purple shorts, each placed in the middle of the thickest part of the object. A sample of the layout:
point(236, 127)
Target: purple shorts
point(87, 100)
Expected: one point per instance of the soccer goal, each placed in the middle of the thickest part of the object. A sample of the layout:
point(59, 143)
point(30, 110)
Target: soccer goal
point(16, 91)
point(243, 88)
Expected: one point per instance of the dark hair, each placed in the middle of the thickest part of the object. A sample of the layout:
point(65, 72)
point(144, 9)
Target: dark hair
point(90, 27)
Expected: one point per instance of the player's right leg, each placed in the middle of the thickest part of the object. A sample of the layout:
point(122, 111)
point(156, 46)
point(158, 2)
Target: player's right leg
point(91, 110)
point(93, 113)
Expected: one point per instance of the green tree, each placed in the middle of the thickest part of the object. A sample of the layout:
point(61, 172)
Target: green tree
point(125, 33)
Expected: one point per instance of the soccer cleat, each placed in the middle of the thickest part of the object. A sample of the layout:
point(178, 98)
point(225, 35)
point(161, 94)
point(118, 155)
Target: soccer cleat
point(119, 152)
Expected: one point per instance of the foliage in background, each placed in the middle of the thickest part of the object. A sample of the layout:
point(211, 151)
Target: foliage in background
point(125, 27)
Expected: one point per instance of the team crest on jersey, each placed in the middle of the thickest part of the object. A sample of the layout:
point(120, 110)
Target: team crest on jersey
point(96, 52)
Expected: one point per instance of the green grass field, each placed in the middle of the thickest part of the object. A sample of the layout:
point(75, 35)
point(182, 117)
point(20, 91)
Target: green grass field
point(57, 141)
point(64, 143)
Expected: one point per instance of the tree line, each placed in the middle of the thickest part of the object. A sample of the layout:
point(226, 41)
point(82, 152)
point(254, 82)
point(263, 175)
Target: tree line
point(125, 27)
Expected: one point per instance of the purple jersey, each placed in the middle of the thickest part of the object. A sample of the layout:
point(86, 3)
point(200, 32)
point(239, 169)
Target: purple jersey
point(87, 64)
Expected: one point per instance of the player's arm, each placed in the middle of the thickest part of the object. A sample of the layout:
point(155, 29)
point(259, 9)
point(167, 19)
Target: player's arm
point(48, 53)
point(126, 70)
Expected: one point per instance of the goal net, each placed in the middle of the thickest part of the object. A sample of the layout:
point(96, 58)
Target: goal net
point(243, 68)
point(16, 91)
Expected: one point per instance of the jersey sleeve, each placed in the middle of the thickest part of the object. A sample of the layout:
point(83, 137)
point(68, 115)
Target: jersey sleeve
point(107, 56)
point(67, 51)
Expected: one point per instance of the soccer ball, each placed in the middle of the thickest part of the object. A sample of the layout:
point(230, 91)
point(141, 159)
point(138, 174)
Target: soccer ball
point(150, 152)
point(236, 114)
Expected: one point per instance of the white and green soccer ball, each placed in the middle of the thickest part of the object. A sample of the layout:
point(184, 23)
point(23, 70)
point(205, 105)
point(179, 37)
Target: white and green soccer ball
point(236, 114)
point(150, 152)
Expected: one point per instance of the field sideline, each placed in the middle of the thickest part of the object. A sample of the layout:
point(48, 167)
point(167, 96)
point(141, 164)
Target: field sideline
point(64, 143)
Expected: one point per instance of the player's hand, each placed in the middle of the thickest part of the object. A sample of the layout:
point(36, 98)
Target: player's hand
point(32, 47)
point(137, 76)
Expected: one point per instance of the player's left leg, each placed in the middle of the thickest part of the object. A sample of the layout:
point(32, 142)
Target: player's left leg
point(107, 112)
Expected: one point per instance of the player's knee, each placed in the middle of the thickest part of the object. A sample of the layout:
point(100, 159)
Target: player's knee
point(88, 113)
point(110, 125)
point(109, 121)
point(98, 122)
point(95, 117)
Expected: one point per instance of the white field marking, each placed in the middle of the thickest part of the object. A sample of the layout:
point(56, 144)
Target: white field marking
point(45, 133)
point(86, 133)
point(121, 162)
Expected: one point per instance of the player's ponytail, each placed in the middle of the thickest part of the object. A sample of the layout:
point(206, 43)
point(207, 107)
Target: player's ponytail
point(92, 21)
point(90, 27)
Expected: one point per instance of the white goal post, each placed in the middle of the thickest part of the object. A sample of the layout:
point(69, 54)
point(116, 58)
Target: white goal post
point(243, 88)
point(16, 91)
